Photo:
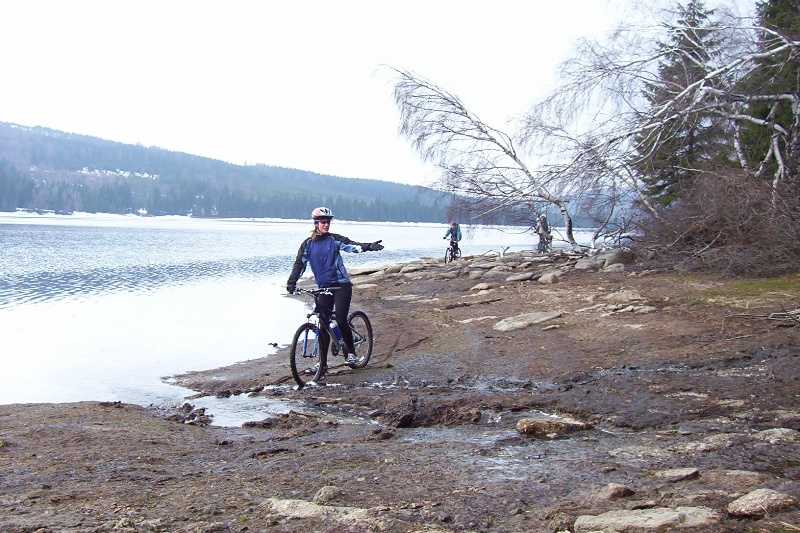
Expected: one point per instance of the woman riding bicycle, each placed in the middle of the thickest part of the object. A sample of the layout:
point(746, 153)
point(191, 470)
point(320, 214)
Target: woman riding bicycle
point(454, 232)
point(321, 251)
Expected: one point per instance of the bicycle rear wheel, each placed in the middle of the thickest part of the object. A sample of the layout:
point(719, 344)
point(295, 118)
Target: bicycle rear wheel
point(362, 338)
point(304, 356)
point(457, 254)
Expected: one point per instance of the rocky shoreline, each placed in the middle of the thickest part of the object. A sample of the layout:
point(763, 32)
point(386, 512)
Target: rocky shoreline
point(520, 392)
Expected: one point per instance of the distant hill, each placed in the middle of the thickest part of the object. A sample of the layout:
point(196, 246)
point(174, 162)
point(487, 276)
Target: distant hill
point(46, 169)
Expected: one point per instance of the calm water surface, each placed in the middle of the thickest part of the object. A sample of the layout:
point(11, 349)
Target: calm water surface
point(104, 308)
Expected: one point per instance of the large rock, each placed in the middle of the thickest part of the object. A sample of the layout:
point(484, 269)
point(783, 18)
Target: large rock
point(617, 256)
point(327, 494)
point(615, 268)
point(760, 502)
point(550, 428)
point(605, 259)
point(590, 264)
point(525, 320)
point(643, 520)
point(549, 278)
point(413, 267)
point(614, 491)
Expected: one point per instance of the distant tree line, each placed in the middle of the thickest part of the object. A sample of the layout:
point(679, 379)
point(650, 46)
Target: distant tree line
point(123, 195)
point(42, 169)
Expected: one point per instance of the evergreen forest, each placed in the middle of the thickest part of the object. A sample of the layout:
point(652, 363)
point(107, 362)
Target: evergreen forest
point(47, 170)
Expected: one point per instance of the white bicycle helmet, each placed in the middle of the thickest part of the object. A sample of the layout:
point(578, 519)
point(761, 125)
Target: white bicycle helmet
point(322, 213)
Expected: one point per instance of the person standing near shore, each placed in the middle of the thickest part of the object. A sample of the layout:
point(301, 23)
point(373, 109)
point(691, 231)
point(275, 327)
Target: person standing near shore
point(322, 252)
point(543, 229)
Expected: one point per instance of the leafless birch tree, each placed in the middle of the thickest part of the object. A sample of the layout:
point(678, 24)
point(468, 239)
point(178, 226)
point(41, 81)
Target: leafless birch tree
point(477, 161)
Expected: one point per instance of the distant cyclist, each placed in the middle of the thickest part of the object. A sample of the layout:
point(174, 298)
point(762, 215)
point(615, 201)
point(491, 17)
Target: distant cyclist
point(321, 251)
point(454, 232)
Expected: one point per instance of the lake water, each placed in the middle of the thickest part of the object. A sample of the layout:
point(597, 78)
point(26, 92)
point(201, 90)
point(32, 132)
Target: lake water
point(104, 308)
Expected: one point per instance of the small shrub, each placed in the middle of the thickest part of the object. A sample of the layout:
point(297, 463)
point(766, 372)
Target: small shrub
point(730, 225)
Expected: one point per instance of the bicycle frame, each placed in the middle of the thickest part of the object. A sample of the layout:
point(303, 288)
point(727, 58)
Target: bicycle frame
point(452, 252)
point(305, 349)
point(316, 317)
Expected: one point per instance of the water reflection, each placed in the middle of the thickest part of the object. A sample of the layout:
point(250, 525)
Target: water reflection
point(36, 287)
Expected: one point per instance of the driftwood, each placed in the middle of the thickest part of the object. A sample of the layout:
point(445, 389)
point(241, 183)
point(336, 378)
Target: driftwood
point(791, 315)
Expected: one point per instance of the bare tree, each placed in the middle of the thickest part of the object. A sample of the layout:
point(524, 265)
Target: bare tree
point(477, 161)
point(601, 124)
point(585, 145)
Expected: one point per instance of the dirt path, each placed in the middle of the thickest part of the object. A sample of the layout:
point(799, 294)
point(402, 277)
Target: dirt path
point(658, 393)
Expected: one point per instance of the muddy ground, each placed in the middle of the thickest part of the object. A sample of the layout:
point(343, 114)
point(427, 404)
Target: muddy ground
point(688, 389)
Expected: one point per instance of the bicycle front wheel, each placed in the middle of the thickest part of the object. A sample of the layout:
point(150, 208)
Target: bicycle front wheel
point(304, 356)
point(448, 255)
point(362, 338)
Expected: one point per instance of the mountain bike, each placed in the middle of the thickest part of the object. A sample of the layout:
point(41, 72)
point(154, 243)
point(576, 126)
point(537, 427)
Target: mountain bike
point(452, 253)
point(545, 244)
point(304, 357)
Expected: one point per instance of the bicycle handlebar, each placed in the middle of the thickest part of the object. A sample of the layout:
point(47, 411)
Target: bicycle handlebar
point(316, 292)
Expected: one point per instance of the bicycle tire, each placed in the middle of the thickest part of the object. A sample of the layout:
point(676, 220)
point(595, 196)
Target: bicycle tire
point(448, 256)
point(457, 254)
point(304, 355)
point(362, 338)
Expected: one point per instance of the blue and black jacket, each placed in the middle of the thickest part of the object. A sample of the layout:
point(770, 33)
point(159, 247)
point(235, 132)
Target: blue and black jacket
point(325, 259)
point(454, 234)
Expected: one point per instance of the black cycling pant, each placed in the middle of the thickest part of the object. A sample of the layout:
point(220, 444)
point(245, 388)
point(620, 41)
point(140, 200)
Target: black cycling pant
point(544, 242)
point(337, 304)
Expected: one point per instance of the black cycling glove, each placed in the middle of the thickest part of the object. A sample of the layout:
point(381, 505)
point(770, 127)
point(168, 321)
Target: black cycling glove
point(290, 288)
point(373, 246)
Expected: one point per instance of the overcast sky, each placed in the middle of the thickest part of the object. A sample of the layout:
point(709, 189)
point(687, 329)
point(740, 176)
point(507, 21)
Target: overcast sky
point(294, 83)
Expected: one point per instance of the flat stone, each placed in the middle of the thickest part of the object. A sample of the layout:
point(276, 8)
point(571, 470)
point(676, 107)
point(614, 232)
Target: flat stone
point(403, 298)
point(412, 267)
point(641, 520)
point(525, 320)
point(623, 297)
point(523, 276)
point(778, 435)
point(760, 502)
point(485, 265)
point(673, 475)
